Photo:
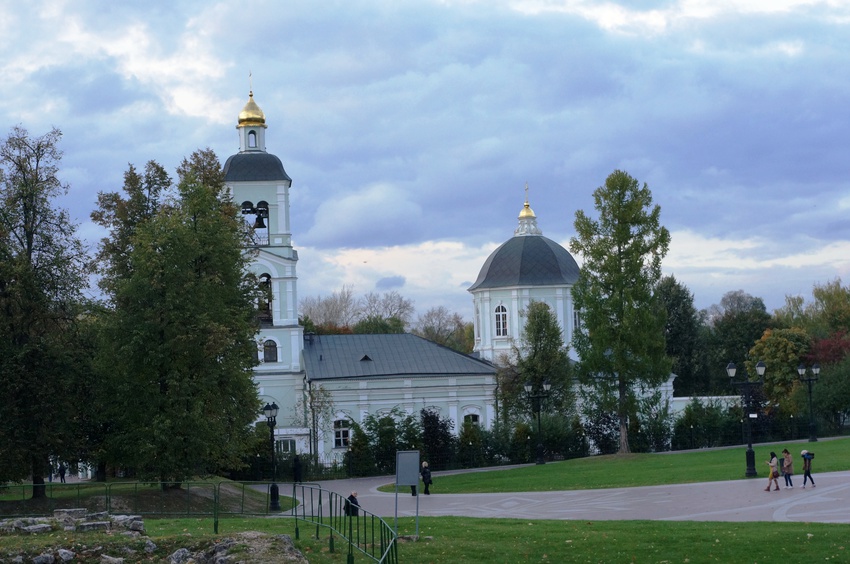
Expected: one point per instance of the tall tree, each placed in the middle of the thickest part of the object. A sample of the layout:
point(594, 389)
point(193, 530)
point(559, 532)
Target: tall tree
point(681, 334)
point(541, 355)
point(733, 327)
point(621, 342)
point(183, 332)
point(42, 274)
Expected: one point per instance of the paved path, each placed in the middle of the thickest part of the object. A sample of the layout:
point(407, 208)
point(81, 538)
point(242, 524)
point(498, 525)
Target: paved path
point(739, 500)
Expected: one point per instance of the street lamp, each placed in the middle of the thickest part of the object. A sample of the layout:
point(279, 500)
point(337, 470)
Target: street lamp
point(801, 370)
point(271, 418)
point(536, 401)
point(747, 388)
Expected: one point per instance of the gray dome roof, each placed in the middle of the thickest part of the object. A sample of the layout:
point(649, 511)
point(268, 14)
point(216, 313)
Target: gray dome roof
point(254, 166)
point(530, 260)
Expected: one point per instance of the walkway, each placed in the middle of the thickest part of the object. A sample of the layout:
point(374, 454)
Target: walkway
point(739, 500)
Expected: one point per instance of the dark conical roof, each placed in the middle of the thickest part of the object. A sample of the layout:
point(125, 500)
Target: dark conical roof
point(527, 260)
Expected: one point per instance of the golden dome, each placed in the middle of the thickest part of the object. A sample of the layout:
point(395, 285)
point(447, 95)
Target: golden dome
point(251, 114)
point(526, 212)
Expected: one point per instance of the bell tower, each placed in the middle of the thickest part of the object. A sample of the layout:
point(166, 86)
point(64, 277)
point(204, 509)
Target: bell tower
point(260, 185)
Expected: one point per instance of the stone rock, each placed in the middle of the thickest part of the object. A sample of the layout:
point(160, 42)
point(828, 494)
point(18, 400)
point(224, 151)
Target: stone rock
point(99, 516)
point(150, 547)
point(45, 558)
point(137, 526)
point(77, 513)
point(94, 526)
point(66, 555)
point(33, 529)
point(180, 556)
point(106, 559)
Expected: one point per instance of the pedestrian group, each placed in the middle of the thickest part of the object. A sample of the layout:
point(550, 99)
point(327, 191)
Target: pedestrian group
point(785, 468)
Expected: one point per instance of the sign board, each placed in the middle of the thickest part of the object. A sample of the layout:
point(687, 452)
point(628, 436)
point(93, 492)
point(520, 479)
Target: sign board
point(407, 467)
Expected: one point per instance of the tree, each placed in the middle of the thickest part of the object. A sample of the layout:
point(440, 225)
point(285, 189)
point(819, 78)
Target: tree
point(389, 305)
point(43, 269)
point(733, 327)
point(438, 440)
point(340, 309)
point(782, 350)
point(681, 333)
point(317, 407)
point(375, 325)
point(441, 326)
point(622, 336)
point(182, 330)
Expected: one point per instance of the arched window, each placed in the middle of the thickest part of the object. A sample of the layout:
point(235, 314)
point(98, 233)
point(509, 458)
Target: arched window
point(471, 418)
point(269, 351)
point(501, 321)
point(252, 139)
point(264, 311)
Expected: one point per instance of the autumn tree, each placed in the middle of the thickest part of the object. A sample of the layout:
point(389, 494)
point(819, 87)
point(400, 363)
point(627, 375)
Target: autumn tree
point(782, 350)
point(443, 327)
point(621, 343)
point(43, 270)
point(183, 326)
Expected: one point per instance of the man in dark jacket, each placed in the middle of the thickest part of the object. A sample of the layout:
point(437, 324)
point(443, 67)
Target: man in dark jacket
point(352, 506)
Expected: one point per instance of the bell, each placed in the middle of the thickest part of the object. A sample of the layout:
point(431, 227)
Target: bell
point(259, 223)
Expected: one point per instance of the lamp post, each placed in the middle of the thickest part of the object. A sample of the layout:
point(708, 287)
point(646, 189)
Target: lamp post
point(747, 386)
point(801, 370)
point(271, 418)
point(536, 401)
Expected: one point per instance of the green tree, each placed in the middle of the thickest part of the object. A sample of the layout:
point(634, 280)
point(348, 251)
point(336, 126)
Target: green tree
point(733, 328)
point(830, 396)
point(376, 325)
point(182, 332)
point(682, 333)
point(621, 342)
point(438, 441)
point(43, 270)
point(782, 350)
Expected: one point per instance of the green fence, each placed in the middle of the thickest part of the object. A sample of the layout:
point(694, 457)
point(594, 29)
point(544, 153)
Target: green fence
point(306, 504)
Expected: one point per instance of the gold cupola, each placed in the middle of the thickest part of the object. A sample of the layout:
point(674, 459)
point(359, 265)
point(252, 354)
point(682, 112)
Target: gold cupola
point(527, 219)
point(251, 114)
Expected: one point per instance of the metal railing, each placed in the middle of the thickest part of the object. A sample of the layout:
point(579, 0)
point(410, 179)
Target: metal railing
point(364, 533)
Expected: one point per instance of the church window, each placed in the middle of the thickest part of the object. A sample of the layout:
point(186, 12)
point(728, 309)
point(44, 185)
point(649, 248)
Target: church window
point(576, 321)
point(252, 139)
point(471, 418)
point(265, 304)
point(269, 351)
point(501, 321)
point(341, 430)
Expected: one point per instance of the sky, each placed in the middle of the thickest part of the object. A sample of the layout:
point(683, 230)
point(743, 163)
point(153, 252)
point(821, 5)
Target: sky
point(410, 129)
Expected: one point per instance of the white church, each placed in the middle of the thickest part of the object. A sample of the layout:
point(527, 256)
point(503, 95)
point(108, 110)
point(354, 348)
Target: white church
point(372, 374)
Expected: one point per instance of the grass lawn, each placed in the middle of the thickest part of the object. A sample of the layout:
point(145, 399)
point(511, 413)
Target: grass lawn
point(460, 539)
point(616, 471)
point(469, 540)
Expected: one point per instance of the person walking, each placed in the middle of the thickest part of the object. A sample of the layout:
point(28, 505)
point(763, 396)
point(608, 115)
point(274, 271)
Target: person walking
point(787, 468)
point(62, 472)
point(773, 476)
point(807, 467)
point(352, 506)
point(426, 477)
point(297, 470)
